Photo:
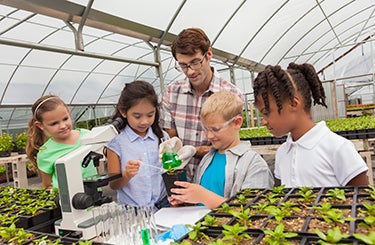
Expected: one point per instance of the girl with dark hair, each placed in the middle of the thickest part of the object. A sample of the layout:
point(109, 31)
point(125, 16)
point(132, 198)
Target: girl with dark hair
point(312, 154)
point(137, 143)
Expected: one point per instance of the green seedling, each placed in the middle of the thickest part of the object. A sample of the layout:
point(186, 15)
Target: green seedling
point(278, 236)
point(220, 242)
point(278, 213)
point(336, 194)
point(280, 190)
point(235, 233)
point(209, 220)
point(333, 236)
point(242, 199)
point(368, 239)
point(243, 216)
point(306, 196)
point(225, 208)
point(197, 232)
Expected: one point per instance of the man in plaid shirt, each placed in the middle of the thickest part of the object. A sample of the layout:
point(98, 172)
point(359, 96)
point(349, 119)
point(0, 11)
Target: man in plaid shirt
point(182, 100)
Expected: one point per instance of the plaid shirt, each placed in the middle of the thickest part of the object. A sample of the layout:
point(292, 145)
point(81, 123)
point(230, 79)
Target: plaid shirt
point(181, 108)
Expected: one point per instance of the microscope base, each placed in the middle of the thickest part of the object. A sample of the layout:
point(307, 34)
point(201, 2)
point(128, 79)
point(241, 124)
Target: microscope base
point(85, 230)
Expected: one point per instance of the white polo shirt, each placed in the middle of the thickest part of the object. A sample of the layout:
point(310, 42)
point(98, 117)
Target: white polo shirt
point(320, 158)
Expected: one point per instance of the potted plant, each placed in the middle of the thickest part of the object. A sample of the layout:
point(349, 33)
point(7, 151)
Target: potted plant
point(6, 145)
point(173, 170)
point(21, 141)
point(172, 175)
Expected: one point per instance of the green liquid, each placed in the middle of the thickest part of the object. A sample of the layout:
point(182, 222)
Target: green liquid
point(169, 160)
point(145, 237)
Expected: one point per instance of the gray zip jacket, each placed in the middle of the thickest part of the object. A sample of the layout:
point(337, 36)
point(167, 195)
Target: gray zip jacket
point(245, 169)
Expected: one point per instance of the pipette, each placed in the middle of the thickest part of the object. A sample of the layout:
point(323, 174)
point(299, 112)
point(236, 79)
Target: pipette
point(152, 166)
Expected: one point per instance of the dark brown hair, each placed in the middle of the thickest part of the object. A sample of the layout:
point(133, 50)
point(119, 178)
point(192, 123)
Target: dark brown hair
point(283, 85)
point(190, 41)
point(130, 95)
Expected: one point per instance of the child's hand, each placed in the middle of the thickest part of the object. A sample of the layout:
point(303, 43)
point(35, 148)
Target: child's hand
point(190, 193)
point(132, 168)
point(174, 202)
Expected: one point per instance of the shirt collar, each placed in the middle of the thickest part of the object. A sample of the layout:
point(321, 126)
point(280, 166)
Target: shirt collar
point(310, 139)
point(214, 84)
point(133, 136)
point(239, 149)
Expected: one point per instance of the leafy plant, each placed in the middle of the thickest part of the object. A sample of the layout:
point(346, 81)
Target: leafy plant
point(241, 198)
point(335, 125)
point(335, 215)
point(249, 192)
point(336, 194)
point(368, 222)
point(243, 216)
point(181, 243)
point(6, 219)
point(278, 189)
point(289, 206)
point(323, 208)
point(225, 208)
point(273, 198)
point(46, 240)
point(307, 194)
point(369, 208)
point(21, 140)
point(235, 233)
point(197, 232)
point(83, 243)
point(6, 142)
point(220, 242)
point(333, 236)
point(260, 207)
point(368, 239)
point(209, 220)
point(14, 234)
point(278, 236)
point(371, 190)
point(278, 213)
point(3, 169)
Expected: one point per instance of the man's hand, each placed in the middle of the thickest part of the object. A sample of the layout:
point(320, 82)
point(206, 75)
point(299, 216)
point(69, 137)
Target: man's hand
point(185, 153)
point(173, 144)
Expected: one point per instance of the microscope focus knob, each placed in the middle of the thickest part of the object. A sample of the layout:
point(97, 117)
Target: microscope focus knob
point(82, 201)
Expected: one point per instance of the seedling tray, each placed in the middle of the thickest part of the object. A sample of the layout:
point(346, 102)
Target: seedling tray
point(300, 211)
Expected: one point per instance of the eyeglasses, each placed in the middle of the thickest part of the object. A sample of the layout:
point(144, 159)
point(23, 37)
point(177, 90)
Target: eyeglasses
point(194, 65)
point(216, 130)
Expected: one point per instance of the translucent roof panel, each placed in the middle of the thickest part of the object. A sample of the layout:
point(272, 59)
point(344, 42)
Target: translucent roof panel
point(52, 48)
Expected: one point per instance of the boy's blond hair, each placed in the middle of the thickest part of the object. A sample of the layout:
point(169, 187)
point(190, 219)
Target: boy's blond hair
point(223, 103)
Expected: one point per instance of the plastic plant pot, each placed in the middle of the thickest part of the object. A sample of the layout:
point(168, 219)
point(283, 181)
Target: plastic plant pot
point(170, 177)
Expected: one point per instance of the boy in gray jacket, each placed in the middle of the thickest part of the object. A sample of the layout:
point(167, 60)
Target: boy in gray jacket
point(230, 165)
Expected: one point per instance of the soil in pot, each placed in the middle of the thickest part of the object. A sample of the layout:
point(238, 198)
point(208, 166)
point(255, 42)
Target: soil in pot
point(170, 177)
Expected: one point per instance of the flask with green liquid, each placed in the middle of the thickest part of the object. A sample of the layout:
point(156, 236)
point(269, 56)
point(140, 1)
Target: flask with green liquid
point(170, 159)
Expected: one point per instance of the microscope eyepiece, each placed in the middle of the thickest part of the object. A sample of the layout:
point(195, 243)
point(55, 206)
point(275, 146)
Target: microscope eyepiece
point(118, 123)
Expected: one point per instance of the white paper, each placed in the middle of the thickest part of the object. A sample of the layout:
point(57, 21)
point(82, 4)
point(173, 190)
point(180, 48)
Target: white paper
point(167, 217)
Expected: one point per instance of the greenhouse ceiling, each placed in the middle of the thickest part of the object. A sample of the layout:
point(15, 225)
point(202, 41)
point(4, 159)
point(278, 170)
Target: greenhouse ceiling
point(85, 51)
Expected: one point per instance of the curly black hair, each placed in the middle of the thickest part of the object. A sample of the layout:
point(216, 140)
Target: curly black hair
point(283, 85)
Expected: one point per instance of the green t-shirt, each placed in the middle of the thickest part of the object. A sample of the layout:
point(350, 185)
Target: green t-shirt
point(51, 151)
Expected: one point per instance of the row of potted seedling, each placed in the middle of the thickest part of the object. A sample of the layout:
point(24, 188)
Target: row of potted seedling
point(278, 215)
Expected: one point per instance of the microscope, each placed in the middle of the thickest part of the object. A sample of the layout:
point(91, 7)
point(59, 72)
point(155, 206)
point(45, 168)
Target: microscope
point(76, 194)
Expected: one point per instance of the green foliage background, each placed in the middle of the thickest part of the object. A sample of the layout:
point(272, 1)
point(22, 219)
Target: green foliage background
point(335, 125)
